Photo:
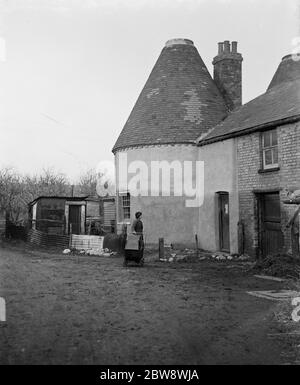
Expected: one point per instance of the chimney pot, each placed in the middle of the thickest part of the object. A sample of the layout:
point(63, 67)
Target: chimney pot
point(226, 46)
point(220, 48)
point(234, 47)
point(228, 73)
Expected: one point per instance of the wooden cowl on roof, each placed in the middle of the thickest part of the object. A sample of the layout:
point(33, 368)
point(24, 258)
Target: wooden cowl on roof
point(178, 103)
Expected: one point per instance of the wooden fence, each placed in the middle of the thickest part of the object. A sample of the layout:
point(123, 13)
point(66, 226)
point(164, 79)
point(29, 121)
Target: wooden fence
point(40, 238)
point(2, 226)
point(78, 242)
point(85, 242)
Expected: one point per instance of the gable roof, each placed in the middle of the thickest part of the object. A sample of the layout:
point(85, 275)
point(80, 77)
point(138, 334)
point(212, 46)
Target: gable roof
point(179, 101)
point(278, 105)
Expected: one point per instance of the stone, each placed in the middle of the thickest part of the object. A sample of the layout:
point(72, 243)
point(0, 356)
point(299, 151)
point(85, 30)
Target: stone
point(243, 258)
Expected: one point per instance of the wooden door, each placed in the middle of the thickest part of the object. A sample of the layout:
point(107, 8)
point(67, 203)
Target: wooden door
point(271, 235)
point(75, 218)
point(224, 221)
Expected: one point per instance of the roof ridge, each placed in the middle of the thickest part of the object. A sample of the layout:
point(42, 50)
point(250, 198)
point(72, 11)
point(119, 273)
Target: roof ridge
point(277, 105)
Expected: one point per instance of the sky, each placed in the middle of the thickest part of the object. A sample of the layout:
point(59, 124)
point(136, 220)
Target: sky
point(71, 70)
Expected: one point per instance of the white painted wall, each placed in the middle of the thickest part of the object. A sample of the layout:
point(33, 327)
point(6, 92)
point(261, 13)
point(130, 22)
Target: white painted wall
point(168, 217)
point(163, 216)
point(220, 165)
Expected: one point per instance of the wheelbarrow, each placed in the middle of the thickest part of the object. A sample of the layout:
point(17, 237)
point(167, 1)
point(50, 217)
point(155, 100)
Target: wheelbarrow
point(134, 249)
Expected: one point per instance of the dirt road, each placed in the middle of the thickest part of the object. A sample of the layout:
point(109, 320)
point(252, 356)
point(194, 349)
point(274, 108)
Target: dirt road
point(91, 310)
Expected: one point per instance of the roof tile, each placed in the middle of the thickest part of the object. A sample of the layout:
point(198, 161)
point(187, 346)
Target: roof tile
point(280, 102)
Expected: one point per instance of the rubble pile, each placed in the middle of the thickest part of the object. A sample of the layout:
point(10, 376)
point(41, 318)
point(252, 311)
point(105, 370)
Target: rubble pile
point(191, 255)
point(97, 252)
point(280, 265)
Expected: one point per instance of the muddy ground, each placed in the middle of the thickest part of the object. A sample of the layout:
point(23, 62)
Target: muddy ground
point(91, 310)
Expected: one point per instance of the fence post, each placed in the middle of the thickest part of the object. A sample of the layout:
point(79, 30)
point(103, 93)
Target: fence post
point(70, 236)
point(161, 248)
point(197, 245)
point(241, 240)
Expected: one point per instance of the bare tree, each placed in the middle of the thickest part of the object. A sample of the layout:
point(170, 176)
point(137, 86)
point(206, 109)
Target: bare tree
point(16, 190)
point(95, 183)
point(10, 193)
point(49, 183)
point(88, 183)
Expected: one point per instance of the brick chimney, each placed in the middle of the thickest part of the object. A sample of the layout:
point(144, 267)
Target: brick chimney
point(228, 73)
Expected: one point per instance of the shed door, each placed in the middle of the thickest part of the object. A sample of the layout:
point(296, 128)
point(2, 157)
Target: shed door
point(271, 234)
point(75, 218)
point(224, 221)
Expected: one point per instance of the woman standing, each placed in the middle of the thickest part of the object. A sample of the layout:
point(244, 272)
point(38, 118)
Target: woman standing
point(137, 225)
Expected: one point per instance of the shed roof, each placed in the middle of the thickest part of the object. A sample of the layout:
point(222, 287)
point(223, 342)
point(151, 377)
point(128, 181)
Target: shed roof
point(78, 198)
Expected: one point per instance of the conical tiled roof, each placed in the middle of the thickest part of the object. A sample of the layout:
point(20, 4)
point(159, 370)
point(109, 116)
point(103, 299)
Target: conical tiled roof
point(288, 70)
point(179, 101)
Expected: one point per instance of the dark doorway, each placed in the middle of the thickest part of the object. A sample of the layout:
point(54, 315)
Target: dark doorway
point(271, 237)
point(223, 203)
point(74, 218)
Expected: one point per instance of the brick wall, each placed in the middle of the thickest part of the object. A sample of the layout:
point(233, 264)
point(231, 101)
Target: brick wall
point(228, 73)
point(249, 179)
point(228, 77)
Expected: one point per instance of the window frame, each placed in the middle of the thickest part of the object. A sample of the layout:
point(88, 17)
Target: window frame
point(125, 207)
point(271, 147)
